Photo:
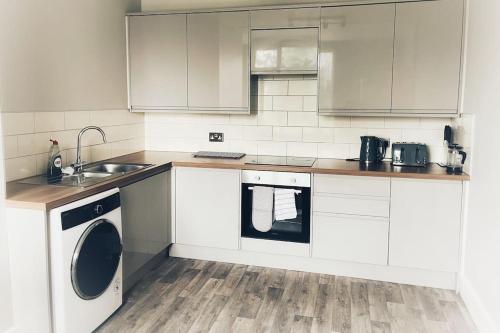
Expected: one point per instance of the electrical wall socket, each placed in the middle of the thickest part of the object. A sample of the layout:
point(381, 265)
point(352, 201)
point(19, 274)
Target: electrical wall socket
point(215, 137)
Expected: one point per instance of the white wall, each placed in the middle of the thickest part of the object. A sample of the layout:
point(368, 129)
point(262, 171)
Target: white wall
point(5, 292)
point(63, 67)
point(480, 284)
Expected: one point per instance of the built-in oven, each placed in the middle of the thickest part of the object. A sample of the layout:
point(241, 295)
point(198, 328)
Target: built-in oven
point(276, 205)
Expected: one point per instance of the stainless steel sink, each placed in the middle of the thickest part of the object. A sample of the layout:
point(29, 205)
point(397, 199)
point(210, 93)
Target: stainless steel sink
point(84, 178)
point(90, 175)
point(114, 168)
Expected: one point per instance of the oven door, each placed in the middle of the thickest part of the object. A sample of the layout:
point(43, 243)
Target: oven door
point(291, 230)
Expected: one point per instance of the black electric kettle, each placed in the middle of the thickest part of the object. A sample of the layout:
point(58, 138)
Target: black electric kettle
point(373, 149)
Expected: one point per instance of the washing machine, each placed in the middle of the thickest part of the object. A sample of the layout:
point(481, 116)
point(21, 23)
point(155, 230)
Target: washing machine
point(86, 262)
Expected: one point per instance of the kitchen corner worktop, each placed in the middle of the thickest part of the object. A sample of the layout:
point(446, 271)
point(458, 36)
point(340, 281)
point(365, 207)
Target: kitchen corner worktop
point(46, 197)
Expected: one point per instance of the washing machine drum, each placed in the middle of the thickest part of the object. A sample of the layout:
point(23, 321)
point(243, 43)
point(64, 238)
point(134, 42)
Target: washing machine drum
point(96, 259)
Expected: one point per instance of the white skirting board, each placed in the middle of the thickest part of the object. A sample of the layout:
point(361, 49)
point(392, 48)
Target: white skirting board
point(402, 275)
point(480, 316)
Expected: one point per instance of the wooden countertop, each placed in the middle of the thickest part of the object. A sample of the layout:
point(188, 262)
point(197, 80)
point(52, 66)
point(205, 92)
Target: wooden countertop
point(46, 197)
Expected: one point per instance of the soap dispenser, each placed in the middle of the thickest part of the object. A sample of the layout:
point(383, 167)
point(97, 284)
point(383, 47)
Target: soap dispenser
point(54, 165)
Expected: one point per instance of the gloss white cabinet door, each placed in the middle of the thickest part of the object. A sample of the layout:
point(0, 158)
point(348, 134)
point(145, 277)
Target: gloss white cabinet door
point(425, 224)
point(157, 62)
point(350, 238)
point(356, 53)
point(207, 207)
point(285, 18)
point(285, 51)
point(218, 55)
point(427, 56)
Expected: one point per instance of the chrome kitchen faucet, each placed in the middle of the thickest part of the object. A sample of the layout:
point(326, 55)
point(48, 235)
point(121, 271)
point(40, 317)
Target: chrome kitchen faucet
point(79, 164)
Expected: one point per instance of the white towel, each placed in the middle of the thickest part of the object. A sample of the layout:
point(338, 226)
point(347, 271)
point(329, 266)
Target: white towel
point(284, 204)
point(262, 208)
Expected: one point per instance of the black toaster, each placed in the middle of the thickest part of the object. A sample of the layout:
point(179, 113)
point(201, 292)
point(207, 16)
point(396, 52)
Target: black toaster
point(409, 154)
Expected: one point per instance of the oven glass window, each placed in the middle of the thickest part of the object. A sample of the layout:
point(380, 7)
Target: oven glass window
point(295, 229)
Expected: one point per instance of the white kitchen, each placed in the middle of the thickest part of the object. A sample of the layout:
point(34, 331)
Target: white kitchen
point(249, 166)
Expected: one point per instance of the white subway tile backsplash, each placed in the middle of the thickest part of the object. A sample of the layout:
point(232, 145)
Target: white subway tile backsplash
point(264, 103)
point(115, 117)
point(287, 103)
point(287, 133)
point(368, 122)
point(236, 119)
point(271, 148)
point(242, 146)
point(49, 121)
point(429, 137)
point(402, 122)
point(354, 150)
point(42, 142)
point(333, 150)
point(18, 123)
point(272, 118)
point(289, 77)
point(310, 103)
point(25, 144)
point(101, 152)
point(76, 119)
point(303, 88)
point(331, 121)
point(435, 123)
point(273, 88)
point(231, 132)
point(20, 167)
point(302, 149)
point(215, 146)
point(258, 133)
point(305, 119)
point(28, 142)
point(215, 119)
point(10, 146)
point(437, 153)
point(349, 135)
point(287, 123)
point(391, 134)
point(315, 134)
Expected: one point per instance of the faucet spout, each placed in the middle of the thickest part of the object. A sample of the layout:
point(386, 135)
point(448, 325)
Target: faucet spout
point(79, 164)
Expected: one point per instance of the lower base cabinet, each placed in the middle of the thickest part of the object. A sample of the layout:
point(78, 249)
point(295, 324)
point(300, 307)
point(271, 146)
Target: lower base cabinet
point(425, 224)
point(207, 207)
point(350, 238)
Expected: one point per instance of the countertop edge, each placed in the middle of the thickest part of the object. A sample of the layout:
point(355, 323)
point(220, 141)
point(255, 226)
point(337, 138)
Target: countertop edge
point(162, 163)
point(120, 181)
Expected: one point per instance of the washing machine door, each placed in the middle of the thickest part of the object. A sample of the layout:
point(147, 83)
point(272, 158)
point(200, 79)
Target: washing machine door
point(96, 259)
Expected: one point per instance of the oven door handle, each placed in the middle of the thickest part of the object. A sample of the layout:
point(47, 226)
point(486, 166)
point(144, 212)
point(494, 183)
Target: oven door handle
point(296, 191)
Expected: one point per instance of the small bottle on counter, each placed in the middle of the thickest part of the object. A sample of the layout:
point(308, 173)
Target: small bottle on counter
point(54, 165)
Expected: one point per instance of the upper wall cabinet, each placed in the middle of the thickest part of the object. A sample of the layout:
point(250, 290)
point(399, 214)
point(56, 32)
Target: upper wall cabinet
point(427, 56)
point(285, 51)
point(218, 68)
point(158, 62)
point(285, 41)
point(285, 18)
point(356, 54)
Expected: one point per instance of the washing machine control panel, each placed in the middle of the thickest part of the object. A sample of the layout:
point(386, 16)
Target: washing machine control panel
point(80, 215)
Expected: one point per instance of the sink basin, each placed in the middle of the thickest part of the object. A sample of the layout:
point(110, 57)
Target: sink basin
point(84, 179)
point(91, 175)
point(113, 168)
point(88, 174)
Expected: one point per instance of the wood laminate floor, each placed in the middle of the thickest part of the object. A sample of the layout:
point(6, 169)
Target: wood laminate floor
point(185, 295)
